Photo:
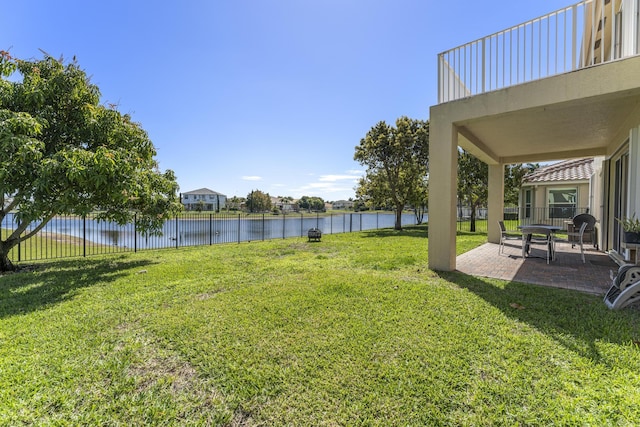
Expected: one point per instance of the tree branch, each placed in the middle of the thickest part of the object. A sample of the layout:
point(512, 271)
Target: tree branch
point(39, 227)
point(23, 226)
point(5, 210)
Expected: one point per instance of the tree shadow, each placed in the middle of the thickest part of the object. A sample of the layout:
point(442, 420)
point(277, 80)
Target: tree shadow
point(421, 231)
point(35, 287)
point(576, 320)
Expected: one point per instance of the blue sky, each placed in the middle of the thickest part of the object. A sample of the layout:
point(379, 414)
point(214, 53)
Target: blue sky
point(273, 95)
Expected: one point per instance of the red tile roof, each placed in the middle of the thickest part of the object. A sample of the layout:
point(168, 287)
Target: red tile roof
point(567, 170)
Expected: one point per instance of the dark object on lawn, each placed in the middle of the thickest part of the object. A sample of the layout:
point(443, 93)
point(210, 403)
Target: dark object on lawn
point(314, 234)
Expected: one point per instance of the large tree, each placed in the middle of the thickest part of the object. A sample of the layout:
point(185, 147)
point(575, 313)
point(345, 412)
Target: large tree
point(397, 164)
point(311, 203)
point(513, 176)
point(419, 199)
point(65, 153)
point(257, 201)
point(473, 181)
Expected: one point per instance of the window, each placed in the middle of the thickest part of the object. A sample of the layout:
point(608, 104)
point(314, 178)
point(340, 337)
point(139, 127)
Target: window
point(527, 203)
point(562, 202)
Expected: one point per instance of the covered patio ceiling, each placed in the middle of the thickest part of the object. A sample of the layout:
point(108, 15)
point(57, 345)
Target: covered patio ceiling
point(578, 114)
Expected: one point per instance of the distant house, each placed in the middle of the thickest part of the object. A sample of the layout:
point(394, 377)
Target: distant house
point(559, 190)
point(203, 200)
point(285, 204)
point(343, 204)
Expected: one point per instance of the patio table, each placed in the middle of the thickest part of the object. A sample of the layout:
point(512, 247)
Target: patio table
point(528, 230)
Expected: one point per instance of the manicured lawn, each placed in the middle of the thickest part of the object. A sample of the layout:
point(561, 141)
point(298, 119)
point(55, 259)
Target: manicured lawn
point(354, 330)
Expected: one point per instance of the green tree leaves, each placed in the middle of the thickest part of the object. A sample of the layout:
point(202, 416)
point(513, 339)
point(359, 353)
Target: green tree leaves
point(397, 161)
point(311, 203)
point(64, 153)
point(514, 175)
point(473, 179)
point(257, 201)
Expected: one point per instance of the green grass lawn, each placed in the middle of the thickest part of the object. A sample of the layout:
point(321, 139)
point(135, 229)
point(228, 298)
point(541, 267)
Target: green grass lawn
point(354, 330)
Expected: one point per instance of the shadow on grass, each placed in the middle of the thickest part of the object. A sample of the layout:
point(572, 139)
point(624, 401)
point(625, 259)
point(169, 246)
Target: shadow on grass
point(421, 231)
point(414, 231)
point(574, 319)
point(38, 286)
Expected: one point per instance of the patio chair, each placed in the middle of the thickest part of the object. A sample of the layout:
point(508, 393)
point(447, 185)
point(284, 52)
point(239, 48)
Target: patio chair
point(590, 220)
point(506, 235)
point(576, 238)
point(541, 235)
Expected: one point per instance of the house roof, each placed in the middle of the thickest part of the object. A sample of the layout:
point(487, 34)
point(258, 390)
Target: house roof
point(204, 191)
point(567, 170)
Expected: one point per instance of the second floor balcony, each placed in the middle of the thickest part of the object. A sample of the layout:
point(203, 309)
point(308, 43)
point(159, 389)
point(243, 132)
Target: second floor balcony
point(586, 34)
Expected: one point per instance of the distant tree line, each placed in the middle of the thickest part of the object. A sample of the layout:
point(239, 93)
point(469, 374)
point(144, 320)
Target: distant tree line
point(258, 201)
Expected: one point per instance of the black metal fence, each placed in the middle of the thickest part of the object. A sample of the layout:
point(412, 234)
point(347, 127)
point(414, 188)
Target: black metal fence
point(74, 236)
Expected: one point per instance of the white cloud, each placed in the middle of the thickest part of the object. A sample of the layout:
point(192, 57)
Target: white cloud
point(328, 186)
point(252, 178)
point(335, 178)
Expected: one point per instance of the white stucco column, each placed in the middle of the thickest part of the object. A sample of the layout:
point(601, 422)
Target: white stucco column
point(633, 201)
point(495, 202)
point(443, 167)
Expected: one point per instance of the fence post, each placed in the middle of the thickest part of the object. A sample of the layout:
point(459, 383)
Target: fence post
point(263, 227)
point(360, 221)
point(84, 236)
point(238, 228)
point(177, 233)
point(350, 223)
point(301, 224)
point(19, 246)
point(210, 229)
point(135, 232)
point(284, 216)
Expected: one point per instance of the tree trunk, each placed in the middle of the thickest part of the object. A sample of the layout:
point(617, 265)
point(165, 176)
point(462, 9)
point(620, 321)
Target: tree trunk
point(398, 218)
point(5, 262)
point(420, 215)
point(473, 219)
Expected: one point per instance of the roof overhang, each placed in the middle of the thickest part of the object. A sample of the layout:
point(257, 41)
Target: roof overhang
point(585, 113)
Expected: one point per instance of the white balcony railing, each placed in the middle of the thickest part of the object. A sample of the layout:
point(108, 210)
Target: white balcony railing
point(585, 34)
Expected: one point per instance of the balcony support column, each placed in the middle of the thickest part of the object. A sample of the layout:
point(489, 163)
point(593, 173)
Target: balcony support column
point(495, 202)
point(443, 168)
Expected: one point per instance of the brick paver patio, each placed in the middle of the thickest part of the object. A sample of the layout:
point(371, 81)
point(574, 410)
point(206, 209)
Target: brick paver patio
point(566, 271)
